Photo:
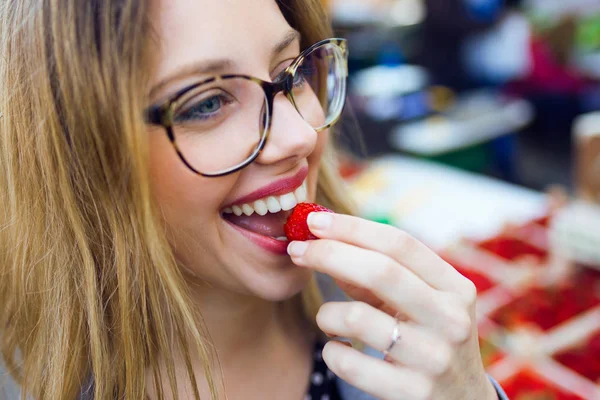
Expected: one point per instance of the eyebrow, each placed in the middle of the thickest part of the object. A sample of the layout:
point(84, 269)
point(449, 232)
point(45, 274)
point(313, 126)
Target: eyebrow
point(216, 66)
point(196, 68)
point(287, 40)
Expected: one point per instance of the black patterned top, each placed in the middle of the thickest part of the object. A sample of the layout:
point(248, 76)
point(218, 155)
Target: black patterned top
point(323, 384)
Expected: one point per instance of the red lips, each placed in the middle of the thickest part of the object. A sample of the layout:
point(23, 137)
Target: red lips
point(276, 188)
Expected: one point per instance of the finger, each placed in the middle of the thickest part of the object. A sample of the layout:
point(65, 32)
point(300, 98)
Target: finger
point(395, 285)
point(390, 241)
point(376, 377)
point(417, 348)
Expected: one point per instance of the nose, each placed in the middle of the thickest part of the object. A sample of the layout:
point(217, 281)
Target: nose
point(291, 138)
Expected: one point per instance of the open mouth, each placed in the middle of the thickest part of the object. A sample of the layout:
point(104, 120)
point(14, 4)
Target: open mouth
point(266, 216)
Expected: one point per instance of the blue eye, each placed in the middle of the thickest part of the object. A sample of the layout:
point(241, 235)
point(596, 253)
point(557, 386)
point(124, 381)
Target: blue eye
point(306, 72)
point(299, 79)
point(209, 106)
point(203, 109)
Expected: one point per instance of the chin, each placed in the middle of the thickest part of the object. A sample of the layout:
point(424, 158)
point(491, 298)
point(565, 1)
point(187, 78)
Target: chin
point(280, 285)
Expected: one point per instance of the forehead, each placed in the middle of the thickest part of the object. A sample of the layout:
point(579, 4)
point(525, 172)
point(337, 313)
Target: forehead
point(200, 30)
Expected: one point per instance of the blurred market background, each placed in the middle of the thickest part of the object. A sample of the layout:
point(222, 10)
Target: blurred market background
point(491, 86)
point(475, 126)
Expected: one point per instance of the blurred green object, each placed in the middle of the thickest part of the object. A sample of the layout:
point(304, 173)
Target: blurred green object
point(588, 34)
point(474, 159)
point(382, 219)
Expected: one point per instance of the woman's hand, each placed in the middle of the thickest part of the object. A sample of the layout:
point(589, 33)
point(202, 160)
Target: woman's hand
point(389, 273)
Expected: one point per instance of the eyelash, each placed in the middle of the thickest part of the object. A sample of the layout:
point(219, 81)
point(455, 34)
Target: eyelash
point(287, 63)
point(189, 114)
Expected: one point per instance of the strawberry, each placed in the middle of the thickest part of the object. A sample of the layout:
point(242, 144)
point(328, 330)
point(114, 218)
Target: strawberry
point(296, 227)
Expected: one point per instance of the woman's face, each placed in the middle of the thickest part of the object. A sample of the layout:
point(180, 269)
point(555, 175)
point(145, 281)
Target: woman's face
point(240, 254)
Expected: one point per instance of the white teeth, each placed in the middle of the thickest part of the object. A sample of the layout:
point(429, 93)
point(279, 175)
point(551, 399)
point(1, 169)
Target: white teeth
point(282, 238)
point(288, 201)
point(260, 207)
point(273, 205)
point(247, 209)
point(300, 194)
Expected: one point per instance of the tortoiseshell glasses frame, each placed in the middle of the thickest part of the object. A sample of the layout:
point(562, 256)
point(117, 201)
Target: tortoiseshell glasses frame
point(164, 114)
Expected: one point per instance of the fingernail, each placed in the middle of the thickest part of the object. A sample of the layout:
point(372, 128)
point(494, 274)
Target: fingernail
point(297, 249)
point(320, 220)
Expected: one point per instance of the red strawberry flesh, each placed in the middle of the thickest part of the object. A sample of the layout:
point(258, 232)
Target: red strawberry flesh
point(296, 227)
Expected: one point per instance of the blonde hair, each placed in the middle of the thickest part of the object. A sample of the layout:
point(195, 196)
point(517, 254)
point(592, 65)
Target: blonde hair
point(88, 284)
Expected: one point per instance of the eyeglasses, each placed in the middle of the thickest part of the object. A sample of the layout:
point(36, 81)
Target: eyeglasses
point(220, 125)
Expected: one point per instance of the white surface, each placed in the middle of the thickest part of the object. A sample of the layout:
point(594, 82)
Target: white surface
point(587, 125)
point(502, 53)
point(436, 135)
point(439, 204)
point(388, 12)
point(384, 81)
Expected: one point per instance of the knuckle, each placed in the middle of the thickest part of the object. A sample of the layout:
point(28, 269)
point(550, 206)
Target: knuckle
point(389, 275)
point(457, 321)
point(462, 326)
point(469, 292)
point(402, 241)
point(355, 316)
point(352, 224)
point(347, 369)
point(442, 360)
point(323, 249)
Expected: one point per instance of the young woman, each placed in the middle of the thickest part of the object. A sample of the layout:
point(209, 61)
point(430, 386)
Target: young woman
point(149, 151)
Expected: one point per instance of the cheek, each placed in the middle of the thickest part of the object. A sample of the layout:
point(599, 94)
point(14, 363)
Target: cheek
point(314, 161)
point(322, 142)
point(183, 196)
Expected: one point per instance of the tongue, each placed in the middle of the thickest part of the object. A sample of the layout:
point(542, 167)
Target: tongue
point(267, 225)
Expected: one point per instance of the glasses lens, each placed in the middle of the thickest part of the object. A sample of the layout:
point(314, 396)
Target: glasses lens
point(219, 125)
point(319, 88)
